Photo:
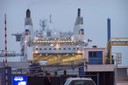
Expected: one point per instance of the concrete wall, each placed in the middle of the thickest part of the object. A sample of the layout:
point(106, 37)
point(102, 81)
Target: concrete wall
point(100, 68)
point(121, 72)
point(122, 83)
point(122, 76)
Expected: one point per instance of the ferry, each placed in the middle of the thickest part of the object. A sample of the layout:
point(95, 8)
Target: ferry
point(49, 46)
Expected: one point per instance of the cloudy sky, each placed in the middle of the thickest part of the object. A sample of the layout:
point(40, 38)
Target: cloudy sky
point(64, 12)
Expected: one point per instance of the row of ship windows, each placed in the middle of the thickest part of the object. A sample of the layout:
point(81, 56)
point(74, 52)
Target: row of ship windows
point(58, 48)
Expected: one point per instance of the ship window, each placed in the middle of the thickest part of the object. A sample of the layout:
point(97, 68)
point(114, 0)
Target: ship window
point(59, 48)
point(77, 48)
point(54, 48)
point(40, 49)
point(45, 49)
point(49, 48)
point(36, 48)
point(64, 48)
point(69, 48)
point(74, 48)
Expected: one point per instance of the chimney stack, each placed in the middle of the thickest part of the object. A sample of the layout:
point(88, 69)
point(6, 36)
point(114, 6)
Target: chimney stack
point(78, 12)
point(108, 29)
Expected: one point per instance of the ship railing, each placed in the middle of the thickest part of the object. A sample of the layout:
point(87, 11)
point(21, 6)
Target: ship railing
point(71, 62)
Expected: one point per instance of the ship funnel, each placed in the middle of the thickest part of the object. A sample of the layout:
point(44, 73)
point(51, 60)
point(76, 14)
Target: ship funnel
point(79, 19)
point(78, 12)
point(28, 20)
point(28, 13)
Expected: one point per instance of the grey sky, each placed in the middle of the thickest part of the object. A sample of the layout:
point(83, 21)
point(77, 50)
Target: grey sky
point(64, 12)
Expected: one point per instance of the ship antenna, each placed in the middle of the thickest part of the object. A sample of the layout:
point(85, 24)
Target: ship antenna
point(43, 24)
point(50, 18)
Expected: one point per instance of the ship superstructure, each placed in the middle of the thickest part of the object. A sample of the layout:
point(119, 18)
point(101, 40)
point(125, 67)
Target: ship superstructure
point(52, 46)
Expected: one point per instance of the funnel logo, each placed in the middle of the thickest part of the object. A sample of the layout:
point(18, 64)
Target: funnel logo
point(82, 31)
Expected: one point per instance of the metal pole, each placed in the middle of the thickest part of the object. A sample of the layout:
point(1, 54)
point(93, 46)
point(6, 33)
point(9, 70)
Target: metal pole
point(117, 62)
point(116, 74)
point(6, 54)
point(97, 78)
